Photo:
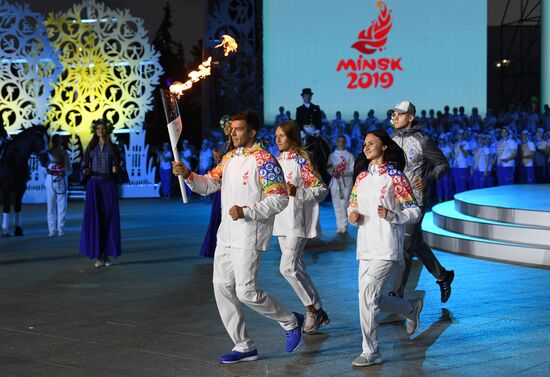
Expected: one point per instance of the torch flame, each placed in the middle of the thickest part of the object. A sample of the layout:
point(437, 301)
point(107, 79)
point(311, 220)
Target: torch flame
point(229, 45)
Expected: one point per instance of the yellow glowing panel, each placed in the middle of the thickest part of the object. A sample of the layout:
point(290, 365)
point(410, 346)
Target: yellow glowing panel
point(110, 69)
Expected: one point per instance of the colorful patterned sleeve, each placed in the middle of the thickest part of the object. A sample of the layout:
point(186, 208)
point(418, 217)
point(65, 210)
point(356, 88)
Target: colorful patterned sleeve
point(217, 173)
point(309, 175)
point(271, 174)
point(401, 187)
point(353, 195)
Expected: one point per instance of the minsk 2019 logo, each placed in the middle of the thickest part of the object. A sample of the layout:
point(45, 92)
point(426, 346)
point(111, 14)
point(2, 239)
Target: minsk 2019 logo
point(365, 72)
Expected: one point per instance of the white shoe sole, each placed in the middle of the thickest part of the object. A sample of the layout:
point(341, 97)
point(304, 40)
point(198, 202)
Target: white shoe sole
point(376, 362)
point(314, 330)
point(417, 319)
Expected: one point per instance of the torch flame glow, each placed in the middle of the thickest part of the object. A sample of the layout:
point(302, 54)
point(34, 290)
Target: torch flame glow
point(229, 45)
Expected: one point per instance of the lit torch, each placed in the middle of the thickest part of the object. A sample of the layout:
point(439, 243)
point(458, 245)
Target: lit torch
point(170, 101)
point(228, 44)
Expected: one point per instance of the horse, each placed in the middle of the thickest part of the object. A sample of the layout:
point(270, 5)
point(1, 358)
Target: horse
point(14, 171)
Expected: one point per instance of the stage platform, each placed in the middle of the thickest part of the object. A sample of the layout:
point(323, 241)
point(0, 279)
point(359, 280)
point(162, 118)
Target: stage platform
point(153, 314)
point(506, 223)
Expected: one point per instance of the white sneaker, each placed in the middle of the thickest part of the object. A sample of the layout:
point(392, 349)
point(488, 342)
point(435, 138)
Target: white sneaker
point(365, 361)
point(413, 318)
point(98, 263)
point(315, 321)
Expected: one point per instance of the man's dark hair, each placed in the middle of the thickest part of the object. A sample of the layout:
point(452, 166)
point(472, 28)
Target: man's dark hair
point(250, 117)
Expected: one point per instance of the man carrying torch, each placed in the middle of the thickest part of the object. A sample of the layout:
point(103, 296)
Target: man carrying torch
point(253, 191)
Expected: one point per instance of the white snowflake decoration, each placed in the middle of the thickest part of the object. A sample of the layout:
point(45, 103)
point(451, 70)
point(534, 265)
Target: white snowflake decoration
point(28, 67)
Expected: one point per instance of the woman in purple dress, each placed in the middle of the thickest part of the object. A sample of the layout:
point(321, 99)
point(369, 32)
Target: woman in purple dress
point(209, 242)
point(100, 236)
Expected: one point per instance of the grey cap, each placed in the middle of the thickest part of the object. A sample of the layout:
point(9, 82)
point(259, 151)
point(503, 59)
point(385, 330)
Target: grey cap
point(404, 107)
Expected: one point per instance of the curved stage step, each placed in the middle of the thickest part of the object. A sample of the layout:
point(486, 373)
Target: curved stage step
point(506, 223)
point(517, 204)
point(444, 240)
point(447, 217)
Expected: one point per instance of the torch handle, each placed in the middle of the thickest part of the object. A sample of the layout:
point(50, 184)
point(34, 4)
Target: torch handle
point(180, 178)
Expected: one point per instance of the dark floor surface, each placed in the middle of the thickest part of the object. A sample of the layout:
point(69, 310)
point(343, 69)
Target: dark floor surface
point(153, 312)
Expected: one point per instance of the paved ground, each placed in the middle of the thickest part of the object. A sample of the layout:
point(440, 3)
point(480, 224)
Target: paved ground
point(153, 312)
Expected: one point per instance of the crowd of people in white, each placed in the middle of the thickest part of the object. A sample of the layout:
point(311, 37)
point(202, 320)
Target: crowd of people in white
point(511, 147)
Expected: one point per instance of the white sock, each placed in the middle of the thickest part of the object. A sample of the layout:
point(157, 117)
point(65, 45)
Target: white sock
point(5, 220)
point(17, 220)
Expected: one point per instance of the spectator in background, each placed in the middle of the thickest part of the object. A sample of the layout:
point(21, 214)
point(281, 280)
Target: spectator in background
point(481, 165)
point(340, 166)
point(58, 169)
point(540, 160)
point(186, 154)
point(371, 123)
point(444, 184)
point(532, 119)
point(165, 169)
point(387, 123)
point(460, 169)
point(506, 158)
point(205, 157)
point(288, 115)
point(188, 158)
point(356, 127)
point(475, 120)
point(490, 121)
point(281, 117)
point(463, 118)
point(338, 125)
point(527, 153)
point(545, 118)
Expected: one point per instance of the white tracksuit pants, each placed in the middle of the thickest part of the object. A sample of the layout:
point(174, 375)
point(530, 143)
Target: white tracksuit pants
point(293, 268)
point(56, 199)
point(340, 201)
point(234, 282)
point(373, 276)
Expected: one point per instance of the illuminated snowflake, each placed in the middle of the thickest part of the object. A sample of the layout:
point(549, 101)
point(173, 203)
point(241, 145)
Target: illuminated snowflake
point(110, 69)
point(28, 67)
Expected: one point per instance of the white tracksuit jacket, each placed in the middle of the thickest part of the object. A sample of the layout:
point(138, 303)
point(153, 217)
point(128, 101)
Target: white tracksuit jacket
point(385, 185)
point(300, 219)
point(250, 178)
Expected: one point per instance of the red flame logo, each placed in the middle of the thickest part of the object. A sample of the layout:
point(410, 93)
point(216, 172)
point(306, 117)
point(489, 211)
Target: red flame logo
point(376, 36)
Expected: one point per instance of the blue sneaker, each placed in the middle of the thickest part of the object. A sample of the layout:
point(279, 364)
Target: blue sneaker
point(294, 336)
point(236, 357)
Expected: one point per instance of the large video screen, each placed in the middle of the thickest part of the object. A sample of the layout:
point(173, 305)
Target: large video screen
point(363, 54)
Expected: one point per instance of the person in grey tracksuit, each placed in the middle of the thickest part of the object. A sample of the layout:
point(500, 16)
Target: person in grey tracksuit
point(425, 164)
